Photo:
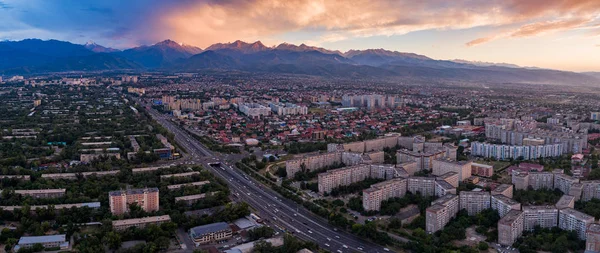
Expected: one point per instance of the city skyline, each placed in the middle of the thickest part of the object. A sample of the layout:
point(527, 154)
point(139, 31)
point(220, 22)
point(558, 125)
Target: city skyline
point(548, 34)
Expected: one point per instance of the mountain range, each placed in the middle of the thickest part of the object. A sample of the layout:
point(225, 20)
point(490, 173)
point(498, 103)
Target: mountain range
point(33, 56)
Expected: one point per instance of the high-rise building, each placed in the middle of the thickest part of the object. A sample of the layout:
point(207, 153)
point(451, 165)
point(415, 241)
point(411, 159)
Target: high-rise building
point(504, 204)
point(423, 185)
point(592, 242)
point(590, 190)
point(379, 192)
point(450, 177)
point(563, 182)
point(573, 220)
point(352, 174)
point(504, 189)
point(147, 199)
point(566, 201)
point(510, 227)
point(474, 201)
point(443, 166)
point(576, 190)
point(440, 212)
point(482, 170)
point(542, 216)
point(442, 188)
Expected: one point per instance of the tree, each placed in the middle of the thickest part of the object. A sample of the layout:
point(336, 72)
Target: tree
point(482, 246)
point(112, 240)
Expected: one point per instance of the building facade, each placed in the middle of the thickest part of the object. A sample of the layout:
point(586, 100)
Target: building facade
point(147, 199)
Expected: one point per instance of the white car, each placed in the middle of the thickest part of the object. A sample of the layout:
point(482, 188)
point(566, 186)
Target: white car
point(345, 246)
point(326, 244)
point(386, 249)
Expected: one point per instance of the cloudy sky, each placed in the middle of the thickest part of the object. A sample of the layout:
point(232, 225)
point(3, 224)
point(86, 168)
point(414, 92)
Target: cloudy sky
point(559, 34)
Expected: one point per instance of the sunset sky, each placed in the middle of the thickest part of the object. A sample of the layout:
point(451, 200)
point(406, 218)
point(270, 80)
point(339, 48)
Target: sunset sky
point(558, 34)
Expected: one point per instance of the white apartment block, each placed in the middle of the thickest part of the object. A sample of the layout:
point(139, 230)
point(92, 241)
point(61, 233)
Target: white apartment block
point(510, 227)
point(563, 182)
point(440, 212)
point(504, 204)
point(506, 152)
point(423, 185)
point(254, 110)
point(394, 188)
point(573, 220)
point(288, 109)
point(590, 190)
point(443, 166)
point(474, 201)
point(542, 216)
point(537, 180)
point(352, 174)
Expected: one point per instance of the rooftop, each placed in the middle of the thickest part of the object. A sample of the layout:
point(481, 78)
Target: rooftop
point(505, 199)
point(141, 220)
point(577, 214)
point(209, 228)
point(502, 188)
point(510, 217)
point(42, 239)
point(565, 201)
point(133, 191)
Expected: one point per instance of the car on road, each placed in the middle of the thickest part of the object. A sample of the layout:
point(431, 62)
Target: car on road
point(327, 245)
point(328, 239)
point(310, 232)
point(337, 236)
point(386, 249)
point(345, 246)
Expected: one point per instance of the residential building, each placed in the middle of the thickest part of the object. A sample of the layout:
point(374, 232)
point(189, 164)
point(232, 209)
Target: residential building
point(474, 201)
point(424, 159)
point(576, 190)
point(510, 227)
point(595, 115)
point(191, 199)
point(313, 162)
point(563, 182)
point(120, 225)
point(48, 241)
point(482, 170)
point(503, 204)
point(506, 152)
point(592, 242)
point(379, 192)
point(254, 110)
point(441, 211)
point(147, 199)
point(210, 233)
point(590, 190)
point(566, 201)
point(423, 185)
point(288, 109)
point(573, 220)
point(450, 177)
point(442, 188)
point(504, 189)
point(348, 175)
point(42, 194)
point(443, 166)
point(542, 216)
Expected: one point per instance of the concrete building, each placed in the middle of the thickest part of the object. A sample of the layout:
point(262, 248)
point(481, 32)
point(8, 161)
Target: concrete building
point(313, 162)
point(506, 152)
point(533, 179)
point(592, 242)
point(147, 199)
point(504, 189)
point(443, 166)
point(210, 233)
point(394, 188)
point(424, 160)
point(482, 170)
point(563, 182)
point(254, 110)
point(573, 220)
point(348, 175)
point(191, 199)
point(503, 204)
point(42, 194)
point(192, 184)
point(542, 216)
point(576, 191)
point(440, 212)
point(423, 185)
point(474, 201)
point(48, 241)
point(566, 201)
point(288, 109)
point(443, 188)
point(510, 227)
point(120, 225)
point(590, 190)
point(450, 177)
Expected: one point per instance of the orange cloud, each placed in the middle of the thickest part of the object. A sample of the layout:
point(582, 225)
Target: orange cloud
point(207, 22)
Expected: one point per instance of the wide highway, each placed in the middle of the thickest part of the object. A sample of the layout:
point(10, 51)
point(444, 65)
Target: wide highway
point(281, 213)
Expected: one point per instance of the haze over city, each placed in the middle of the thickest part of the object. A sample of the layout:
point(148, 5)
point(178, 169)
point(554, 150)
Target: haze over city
point(553, 34)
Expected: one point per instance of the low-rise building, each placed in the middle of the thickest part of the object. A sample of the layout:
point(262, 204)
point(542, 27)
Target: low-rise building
point(120, 225)
point(210, 233)
point(43, 193)
point(48, 241)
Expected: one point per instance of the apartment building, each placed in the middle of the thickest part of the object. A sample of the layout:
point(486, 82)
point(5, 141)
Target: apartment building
point(343, 176)
point(563, 182)
point(542, 216)
point(411, 167)
point(506, 152)
point(424, 159)
point(576, 190)
point(566, 201)
point(394, 188)
point(474, 201)
point(441, 211)
point(443, 166)
point(590, 190)
point(42, 194)
point(313, 162)
point(423, 185)
point(120, 225)
point(450, 177)
point(288, 109)
point(592, 235)
point(192, 184)
point(443, 188)
point(533, 179)
point(504, 189)
point(210, 233)
point(254, 110)
point(510, 227)
point(191, 199)
point(186, 174)
point(573, 220)
point(147, 199)
point(503, 204)
point(482, 170)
